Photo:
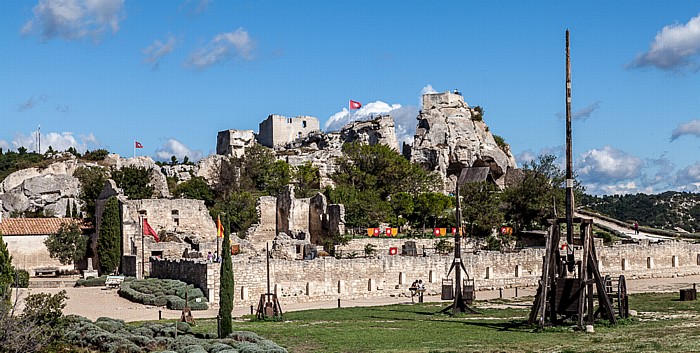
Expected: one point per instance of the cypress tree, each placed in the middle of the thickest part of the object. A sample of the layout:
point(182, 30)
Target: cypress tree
point(109, 239)
point(6, 271)
point(75, 211)
point(226, 285)
point(68, 214)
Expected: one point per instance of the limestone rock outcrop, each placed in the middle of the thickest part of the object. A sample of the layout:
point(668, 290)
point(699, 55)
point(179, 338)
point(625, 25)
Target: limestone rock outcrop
point(451, 135)
point(322, 149)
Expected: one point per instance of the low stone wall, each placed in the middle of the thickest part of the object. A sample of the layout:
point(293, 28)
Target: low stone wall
point(328, 278)
point(199, 273)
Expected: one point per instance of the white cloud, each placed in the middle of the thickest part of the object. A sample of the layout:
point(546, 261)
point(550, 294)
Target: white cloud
point(75, 19)
point(404, 118)
point(609, 165)
point(672, 48)
point(688, 178)
point(690, 128)
point(4, 145)
point(427, 90)
point(525, 157)
point(57, 141)
point(582, 114)
point(223, 47)
point(173, 147)
point(158, 49)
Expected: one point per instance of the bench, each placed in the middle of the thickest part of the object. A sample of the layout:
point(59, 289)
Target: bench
point(51, 271)
point(114, 281)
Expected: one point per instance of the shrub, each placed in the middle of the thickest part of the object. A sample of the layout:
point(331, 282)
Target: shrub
point(163, 292)
point(21, 278)
point(91, 282)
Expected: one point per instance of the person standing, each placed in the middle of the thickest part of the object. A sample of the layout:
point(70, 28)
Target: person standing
point(636, 227)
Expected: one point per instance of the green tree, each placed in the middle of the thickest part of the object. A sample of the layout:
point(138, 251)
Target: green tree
point(431, 205)
point(480, 205)
point(68, 211)
point(92, 181)
point(6, 271)
point(109, 239)
point(173, 161)
point(380, 169)
point(96, 155)
point(257, 171)
point(403, 205)
point(226, 285)
point(68, 244)
point(134, 181)
point(240, 210)
point(531, 202)
point(74, 212)
point(306, 179)
point(40, 323)
point(195, 188)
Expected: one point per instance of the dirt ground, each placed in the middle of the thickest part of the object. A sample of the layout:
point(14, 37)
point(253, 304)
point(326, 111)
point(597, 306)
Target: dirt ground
point(95, 302)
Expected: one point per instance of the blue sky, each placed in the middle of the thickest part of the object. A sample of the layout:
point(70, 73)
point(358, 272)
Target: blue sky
point(171, 74)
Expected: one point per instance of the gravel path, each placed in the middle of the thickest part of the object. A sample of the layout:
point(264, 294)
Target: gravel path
point(94, 302)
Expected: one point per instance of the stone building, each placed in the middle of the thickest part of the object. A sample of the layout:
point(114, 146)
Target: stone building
point(184, 226)
point(25, 241)
point(278, 130)
point(234, 142)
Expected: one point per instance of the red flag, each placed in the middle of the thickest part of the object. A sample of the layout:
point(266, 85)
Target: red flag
point(376, 232)
point(393, 251)
point(355, 105)
point(219, 228)
point(436, 231)
point(147, 230)
point(138, 144)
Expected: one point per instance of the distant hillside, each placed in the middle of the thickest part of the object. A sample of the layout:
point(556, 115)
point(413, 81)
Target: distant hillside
point(669, 210)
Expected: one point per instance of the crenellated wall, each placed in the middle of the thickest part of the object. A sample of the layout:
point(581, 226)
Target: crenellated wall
point(328, 278)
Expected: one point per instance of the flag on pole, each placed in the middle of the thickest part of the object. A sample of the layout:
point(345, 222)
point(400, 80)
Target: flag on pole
point(147, 230)
point(137, 144)
point(355, 105)
point(219, 227)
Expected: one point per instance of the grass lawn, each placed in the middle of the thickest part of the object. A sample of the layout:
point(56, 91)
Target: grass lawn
point(664, 324)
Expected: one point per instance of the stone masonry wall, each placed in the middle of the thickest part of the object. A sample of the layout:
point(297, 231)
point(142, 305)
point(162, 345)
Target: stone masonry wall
point(327, 278)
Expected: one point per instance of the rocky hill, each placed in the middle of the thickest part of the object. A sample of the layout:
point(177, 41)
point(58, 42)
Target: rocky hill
point(671, 210)
point(450, 135)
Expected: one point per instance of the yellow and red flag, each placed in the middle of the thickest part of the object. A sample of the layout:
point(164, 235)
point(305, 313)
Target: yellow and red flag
point(219, 227)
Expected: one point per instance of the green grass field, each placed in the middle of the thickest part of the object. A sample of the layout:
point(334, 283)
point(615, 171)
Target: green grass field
point(664, 324)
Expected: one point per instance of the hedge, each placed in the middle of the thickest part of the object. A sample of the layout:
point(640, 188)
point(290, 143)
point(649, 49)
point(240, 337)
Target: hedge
point(163, 292)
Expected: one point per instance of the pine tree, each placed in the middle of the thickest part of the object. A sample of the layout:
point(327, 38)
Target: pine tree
point(226, 285)
point(6, 271)
point(109, 239)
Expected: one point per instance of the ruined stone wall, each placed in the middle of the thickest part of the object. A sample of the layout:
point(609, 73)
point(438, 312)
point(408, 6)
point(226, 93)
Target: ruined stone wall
point(278, 130)
point(327, 278)
point(264, 231)
point(234, 142)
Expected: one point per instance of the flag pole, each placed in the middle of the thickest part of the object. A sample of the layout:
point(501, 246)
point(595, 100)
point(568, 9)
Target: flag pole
point(143, 256)
point(217, 236)
point(134, 146)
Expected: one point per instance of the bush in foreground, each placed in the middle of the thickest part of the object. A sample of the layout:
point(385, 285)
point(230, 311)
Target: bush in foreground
point(111, 335)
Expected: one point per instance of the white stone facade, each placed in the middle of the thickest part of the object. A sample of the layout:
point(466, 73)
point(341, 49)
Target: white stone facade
point(278, 130)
